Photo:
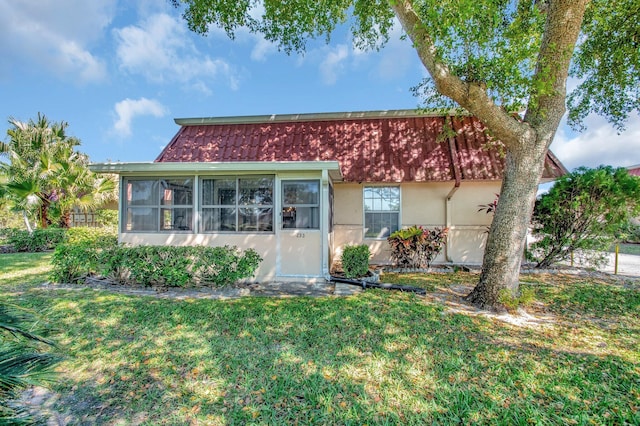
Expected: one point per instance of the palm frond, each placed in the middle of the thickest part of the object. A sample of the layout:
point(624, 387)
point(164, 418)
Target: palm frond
point(21, 322)
point(20, 369)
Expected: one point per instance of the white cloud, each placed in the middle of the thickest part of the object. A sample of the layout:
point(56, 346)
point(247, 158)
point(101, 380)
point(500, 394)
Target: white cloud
point(160, 50)
point(333, 63)
point(128, 109)
point(56, 35)
point(262, 49)
point(391, 63)
point(599, 144)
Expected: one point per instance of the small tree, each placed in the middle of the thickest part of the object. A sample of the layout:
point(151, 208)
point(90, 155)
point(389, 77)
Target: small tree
point(582, 213)
point(42, 173)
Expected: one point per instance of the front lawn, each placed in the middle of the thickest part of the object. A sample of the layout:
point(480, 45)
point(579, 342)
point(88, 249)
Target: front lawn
point(376, 358)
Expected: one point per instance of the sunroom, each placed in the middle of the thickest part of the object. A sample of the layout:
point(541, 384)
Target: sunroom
point(280, 209)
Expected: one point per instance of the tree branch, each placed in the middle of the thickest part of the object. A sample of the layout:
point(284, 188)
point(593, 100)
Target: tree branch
point(547, 105)
point(470, 95)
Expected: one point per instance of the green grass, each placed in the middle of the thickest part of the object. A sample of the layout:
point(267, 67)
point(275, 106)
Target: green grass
point(376, 358)
point(23, 269)
point(627, 249)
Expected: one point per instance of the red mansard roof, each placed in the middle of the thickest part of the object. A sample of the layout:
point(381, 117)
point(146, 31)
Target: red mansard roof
point(634, 170)
point(386, 146)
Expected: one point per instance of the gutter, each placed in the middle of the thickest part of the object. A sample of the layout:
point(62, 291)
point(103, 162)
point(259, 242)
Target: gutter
point(453, 152)
point(320, 116)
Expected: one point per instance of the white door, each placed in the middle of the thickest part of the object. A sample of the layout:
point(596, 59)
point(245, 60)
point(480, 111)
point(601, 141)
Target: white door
point(300, 235)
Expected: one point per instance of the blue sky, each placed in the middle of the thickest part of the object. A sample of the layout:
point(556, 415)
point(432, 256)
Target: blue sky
point(119, 72)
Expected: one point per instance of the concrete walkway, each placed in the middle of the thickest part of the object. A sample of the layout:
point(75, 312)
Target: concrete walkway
point(628, 265)
point(272, 289)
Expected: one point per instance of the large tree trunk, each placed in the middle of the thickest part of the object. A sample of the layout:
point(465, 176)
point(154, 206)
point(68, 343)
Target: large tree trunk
point(505, 243)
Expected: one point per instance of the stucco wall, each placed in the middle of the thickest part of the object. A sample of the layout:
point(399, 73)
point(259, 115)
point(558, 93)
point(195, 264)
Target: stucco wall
point(421, 204)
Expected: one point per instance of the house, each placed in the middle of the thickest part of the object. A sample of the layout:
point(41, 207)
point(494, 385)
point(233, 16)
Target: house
point(634, 170)
point(298, 188)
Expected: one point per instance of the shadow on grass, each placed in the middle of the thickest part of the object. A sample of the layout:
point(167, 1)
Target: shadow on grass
point(378, 358)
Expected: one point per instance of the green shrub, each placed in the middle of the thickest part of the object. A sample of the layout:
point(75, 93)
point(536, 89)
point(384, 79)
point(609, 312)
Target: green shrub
point(79, 256)
point(39, 240)
point(582, 213)
point(629, 232)
point(97, 236)
point(221, 266)
point(355, 260)
point(416, 247)
point(107, 217)
point(153, 265)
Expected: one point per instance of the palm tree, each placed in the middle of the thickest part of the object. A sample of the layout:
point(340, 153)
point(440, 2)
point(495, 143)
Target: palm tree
point(31, 151)
point(46, 172)
point(79, 187)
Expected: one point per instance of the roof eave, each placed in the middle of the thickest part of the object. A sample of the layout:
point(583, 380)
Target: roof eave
point(322, 116)
point(146, 168)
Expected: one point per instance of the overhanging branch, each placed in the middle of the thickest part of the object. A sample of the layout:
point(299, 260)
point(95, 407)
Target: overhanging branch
point(470, 95)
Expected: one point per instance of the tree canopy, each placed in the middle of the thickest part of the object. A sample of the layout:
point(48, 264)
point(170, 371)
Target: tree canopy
point(494, 43)
point(489, 58)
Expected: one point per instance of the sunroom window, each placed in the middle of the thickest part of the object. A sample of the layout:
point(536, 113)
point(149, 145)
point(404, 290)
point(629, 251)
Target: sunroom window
point(159, 204)
point(381, 211)
point(301, 204)
point(232, 204)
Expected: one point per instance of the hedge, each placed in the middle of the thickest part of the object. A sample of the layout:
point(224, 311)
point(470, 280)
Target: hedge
point(20, 240)
point(167, 266)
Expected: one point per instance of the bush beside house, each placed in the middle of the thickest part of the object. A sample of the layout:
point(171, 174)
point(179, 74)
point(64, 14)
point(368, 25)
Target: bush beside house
point(355, 260)
point(416, 247)
point(151, 266)
point(21, 240)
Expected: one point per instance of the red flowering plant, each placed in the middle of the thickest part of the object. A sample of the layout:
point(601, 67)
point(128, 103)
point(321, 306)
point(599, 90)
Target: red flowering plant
point(416, 247)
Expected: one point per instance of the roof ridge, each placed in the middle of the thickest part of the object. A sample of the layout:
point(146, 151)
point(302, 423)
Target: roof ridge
point(317, 116)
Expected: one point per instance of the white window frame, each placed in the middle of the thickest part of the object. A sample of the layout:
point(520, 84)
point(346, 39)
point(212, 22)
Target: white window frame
point(293, 205)
point(158, 206)
point(237, 206)
point(365, 211)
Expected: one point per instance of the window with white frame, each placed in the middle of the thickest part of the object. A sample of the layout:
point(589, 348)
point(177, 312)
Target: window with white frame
point(381, 211)
point(158, 204)
point(301, 204)
point(234, 204)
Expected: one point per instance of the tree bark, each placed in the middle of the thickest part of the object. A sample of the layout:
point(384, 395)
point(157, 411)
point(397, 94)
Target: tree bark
point(505, 243)
point(26, 221)
point(43, 213)
point(65, 219)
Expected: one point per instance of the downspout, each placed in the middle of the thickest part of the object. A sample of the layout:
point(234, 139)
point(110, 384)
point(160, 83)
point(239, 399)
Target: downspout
point(122, 196)
point(453, 152)
point(324, 183)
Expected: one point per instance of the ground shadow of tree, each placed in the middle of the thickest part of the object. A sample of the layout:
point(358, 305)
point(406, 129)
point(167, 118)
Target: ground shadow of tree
point(377, 358)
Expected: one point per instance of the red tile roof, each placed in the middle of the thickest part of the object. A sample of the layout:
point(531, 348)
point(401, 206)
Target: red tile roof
point(634, 170)
point(399, 147)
